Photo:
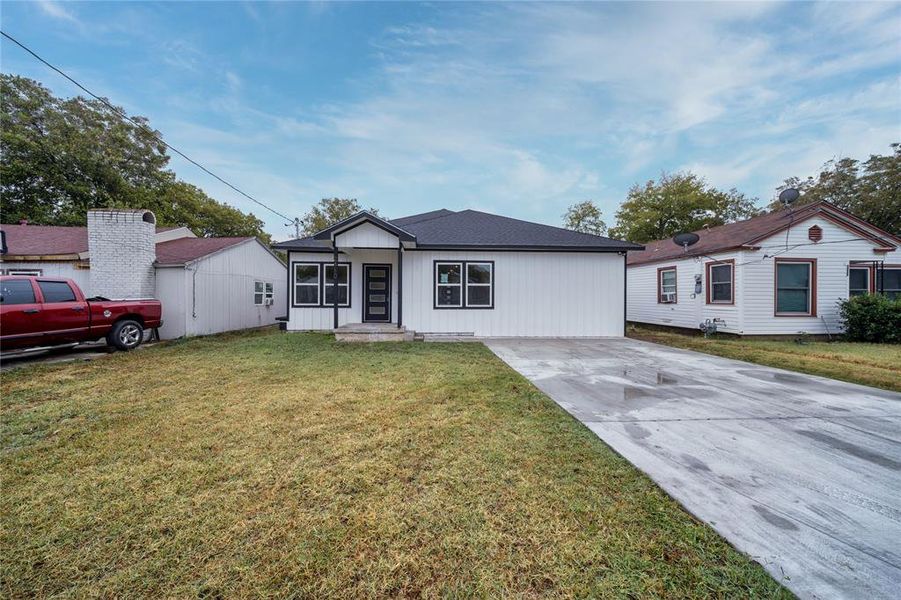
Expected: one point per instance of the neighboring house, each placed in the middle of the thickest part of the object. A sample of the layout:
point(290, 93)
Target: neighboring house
point(780, 273)
point(206, 285)
point(462, 273)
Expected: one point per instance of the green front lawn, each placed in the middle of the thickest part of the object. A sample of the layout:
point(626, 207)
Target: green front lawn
point(877, 365)
point(268, 464)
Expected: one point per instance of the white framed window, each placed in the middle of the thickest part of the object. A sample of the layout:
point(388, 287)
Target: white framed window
point(306, 284)
point(328, 285)
point(448, 284)
point(27, 272)
point(720, 282)
point(796, 287)
point(666, 285)
point(858, 281)
point(262, 293)
point(891, 282)
point(479, 284)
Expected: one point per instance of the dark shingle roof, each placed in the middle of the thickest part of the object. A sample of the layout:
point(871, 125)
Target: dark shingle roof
point(745, 233)
point(475, 229)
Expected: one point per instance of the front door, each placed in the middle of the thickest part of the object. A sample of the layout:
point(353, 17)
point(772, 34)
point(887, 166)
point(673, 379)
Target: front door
point(376, 293)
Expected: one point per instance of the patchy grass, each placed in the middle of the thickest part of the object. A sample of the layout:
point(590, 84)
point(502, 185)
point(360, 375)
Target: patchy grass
point(269, 464)
point(876, 365)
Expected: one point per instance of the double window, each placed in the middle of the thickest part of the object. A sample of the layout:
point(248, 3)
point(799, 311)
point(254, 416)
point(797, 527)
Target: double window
point(864, 280)
point(262, 293)
point(721, 282)
point(464, 284)
point(666, 285)
point(796, 287)
point(314, 284)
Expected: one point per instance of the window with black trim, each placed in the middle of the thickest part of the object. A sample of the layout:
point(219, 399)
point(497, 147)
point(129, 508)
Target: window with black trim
point(343, 285)
point(464, 284)
point(449, 284)
point(666, 285)
point(479, 283)
point(306, 284)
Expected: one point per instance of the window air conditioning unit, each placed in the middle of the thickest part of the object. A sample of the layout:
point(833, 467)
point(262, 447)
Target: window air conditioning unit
point(669, 297)
point(267, 302)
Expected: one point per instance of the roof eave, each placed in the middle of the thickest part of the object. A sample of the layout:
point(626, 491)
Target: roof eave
point(329, 233)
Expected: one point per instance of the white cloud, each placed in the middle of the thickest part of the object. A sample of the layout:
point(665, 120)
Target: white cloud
point(57, 11)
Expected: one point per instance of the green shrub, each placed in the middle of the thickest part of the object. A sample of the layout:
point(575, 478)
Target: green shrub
point(872, 318)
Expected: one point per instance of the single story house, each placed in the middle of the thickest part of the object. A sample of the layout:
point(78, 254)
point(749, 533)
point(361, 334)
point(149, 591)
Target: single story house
point(206, 285)
point(457, 273)
point(781, 273)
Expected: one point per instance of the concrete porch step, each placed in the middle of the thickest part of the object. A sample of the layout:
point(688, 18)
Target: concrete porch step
point(373, 332)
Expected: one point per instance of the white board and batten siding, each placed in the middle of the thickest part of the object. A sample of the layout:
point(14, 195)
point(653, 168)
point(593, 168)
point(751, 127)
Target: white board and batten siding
point(216, 293)
point(536, 294)
point(753, 312)
point(366, 235)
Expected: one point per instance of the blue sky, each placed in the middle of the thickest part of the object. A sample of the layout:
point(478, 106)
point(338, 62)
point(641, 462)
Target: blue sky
point(519, 109)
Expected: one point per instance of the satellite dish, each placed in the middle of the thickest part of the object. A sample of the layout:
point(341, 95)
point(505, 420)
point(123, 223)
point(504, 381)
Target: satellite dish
point(686, 239)
point(789, 195)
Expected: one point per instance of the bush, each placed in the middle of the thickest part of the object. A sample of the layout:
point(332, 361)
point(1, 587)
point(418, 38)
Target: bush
point(872, 318)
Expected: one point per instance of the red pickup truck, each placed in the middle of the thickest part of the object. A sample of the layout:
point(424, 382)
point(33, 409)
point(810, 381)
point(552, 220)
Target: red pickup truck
point(45, 311)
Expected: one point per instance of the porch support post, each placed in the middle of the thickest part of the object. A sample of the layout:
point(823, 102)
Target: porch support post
point(335, 283)
point(400, 284)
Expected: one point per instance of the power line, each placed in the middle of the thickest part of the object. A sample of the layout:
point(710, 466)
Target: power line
point(123, 115)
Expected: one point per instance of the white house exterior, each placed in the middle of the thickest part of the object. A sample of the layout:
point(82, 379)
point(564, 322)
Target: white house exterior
point(459, 273)
point(786, 273)
point(205, 285)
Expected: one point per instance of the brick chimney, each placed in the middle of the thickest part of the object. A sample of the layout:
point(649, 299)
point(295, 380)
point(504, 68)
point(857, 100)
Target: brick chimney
point(123, 249)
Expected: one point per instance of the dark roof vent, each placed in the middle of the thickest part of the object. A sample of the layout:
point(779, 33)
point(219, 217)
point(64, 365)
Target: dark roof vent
point(815, 233)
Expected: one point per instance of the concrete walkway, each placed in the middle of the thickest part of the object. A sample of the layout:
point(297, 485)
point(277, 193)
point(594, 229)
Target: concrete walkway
point(802, 473)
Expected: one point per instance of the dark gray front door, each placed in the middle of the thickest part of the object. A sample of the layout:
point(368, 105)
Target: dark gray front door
point(377, 293)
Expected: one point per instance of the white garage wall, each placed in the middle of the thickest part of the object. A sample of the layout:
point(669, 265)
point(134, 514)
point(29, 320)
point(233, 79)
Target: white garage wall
point(540, 294)
point(171, 289)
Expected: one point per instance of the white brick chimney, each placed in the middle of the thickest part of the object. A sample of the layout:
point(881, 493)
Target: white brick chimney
point(123, 249)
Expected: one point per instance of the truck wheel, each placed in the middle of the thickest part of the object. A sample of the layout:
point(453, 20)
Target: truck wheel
point(125, 335)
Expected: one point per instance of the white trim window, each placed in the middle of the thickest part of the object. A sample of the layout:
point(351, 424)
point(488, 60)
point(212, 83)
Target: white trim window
point(720, 277)
point(479, 284)
point(449, 284)
point(328, 285)
point(858, 281)
point(25, 272)
point(263, 293)
point(306, 284)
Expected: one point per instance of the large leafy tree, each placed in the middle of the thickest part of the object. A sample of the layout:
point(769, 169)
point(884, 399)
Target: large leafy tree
point(585, 217)
point(329, 211)
point(61, 157)
point(870, 190)
point(676, 203)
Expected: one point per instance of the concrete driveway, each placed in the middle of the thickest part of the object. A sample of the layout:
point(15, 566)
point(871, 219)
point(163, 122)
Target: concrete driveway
point(800, 472)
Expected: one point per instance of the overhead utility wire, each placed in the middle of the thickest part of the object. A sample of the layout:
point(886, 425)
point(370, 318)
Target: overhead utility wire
point(122, 115)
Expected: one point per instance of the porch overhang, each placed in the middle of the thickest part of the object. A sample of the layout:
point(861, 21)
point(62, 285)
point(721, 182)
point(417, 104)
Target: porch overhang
point(336, 232)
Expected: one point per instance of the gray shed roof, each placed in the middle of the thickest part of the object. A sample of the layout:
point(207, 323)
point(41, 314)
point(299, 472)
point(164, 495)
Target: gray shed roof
point(475, 229)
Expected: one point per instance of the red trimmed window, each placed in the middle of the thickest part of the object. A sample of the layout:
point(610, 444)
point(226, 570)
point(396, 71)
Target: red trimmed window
point(796, 287)
point(666, 285)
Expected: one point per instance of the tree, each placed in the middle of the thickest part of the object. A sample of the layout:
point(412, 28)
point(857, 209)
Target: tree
point(870, 190)
point(679, 202)
point(59, 158)
point(328, 212)
point(585, 217)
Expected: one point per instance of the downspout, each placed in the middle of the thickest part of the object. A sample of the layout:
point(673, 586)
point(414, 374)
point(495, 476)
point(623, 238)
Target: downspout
point(625, 291)
point(400, 283)
point(194, 292)
point(335, 283)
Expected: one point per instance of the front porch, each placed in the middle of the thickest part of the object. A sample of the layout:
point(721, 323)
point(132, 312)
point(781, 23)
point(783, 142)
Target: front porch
point(373, 332)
